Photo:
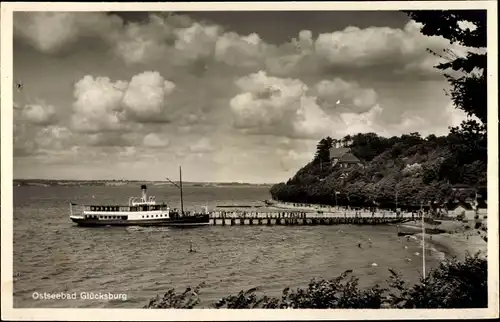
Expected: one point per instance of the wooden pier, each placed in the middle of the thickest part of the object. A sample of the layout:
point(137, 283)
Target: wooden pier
point(304, 218)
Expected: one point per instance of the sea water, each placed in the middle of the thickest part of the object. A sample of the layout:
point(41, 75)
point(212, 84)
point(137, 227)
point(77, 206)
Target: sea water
point(52, 255)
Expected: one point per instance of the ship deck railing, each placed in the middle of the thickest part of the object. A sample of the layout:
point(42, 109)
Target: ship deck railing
point(79, 208)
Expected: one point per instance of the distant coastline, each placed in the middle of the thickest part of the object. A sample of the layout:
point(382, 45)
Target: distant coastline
point(66, 182)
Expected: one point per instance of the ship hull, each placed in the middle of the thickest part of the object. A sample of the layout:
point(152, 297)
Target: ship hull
point(190, 221)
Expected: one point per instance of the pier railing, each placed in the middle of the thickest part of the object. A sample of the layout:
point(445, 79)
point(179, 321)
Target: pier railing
point(303, 214)
point(305, 218)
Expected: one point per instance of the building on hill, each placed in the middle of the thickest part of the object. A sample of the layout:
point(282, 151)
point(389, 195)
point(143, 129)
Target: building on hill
point(343, 158)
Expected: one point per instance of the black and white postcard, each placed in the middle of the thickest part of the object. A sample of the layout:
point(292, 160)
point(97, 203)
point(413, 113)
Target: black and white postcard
point(189, 161)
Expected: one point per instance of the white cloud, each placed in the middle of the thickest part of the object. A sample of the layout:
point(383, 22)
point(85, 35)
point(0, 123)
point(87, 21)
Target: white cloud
point(197, 41)
point(136, 43)
point(368, 121)
point(384, 46)
point(411, 121)
point(398, 51)
point(50, 32)
point(98, 105)
point(23, 142)
point(39, 114)
point(203, 145)
point(349, 95)
point(238, 51)
point(305, 42)
point(54, 138)
point(184, 41)
point(178, 38)
point(128, 151)
point(29, 140)
point(152, 140)
point(144, 98)
point(103, 105)
point(288, 107)
point(271, 105)
point(106, 139)
point(311, 121)
point(449, 116)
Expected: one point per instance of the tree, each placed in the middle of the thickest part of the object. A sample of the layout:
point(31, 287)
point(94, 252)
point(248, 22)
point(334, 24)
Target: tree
point(469, 142)
point(469, 91)
point(323, 150)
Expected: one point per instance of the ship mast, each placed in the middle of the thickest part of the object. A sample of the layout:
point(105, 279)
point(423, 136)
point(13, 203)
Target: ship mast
point(180, 187)
point(180, 182)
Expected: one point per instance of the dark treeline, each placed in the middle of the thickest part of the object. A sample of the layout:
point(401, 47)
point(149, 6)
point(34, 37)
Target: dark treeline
point(409, 168)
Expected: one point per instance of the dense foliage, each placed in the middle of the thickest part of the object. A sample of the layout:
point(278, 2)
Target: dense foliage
point(410, 168)
point(453, 284)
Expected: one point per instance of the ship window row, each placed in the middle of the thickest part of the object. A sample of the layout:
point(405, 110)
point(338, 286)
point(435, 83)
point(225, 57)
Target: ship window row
point(132, 208)
point(107, 208)
point(105, 217)
point(153, 216)
point(147, 208)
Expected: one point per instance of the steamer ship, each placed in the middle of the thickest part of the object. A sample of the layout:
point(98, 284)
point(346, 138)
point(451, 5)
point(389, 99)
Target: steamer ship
point(143, 211)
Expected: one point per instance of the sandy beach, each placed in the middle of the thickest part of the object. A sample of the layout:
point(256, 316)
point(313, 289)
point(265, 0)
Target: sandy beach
point(458, 239)
point(458, 245)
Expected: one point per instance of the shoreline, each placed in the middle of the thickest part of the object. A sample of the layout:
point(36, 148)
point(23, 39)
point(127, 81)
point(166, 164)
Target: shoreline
point(452, 238)
point(456, 240)
point(457, 245)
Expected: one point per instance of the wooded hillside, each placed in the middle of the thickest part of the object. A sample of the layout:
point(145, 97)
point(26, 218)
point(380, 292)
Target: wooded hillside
point(413, 168)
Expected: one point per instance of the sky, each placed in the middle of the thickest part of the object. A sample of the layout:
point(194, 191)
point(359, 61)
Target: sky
point(230, 97)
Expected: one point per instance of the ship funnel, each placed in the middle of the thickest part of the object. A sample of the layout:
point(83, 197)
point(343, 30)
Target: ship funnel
point(144, 194)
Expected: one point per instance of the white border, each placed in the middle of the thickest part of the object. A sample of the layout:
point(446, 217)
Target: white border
point(206, 314)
